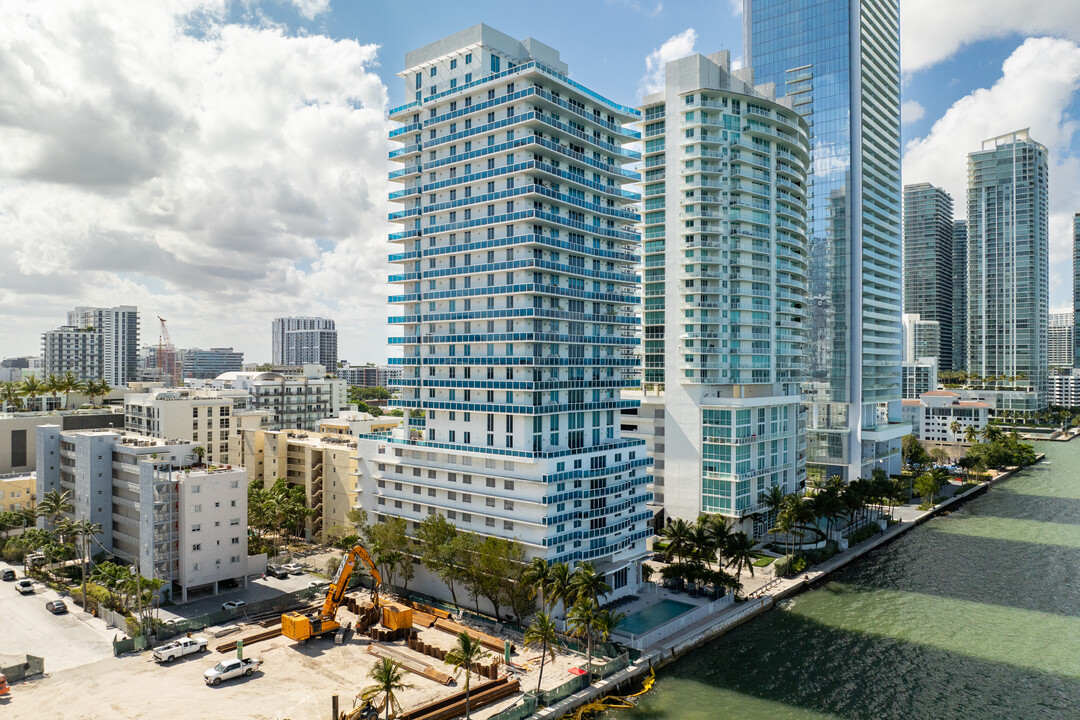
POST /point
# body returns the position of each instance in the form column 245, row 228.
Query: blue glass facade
column 838, row 60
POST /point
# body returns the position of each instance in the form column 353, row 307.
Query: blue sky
column 222, row 162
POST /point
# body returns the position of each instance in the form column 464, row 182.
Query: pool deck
column 685, row 639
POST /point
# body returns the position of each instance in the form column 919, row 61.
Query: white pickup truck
column 179, row 648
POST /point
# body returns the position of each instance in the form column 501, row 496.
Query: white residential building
column 179, row 523
column 304, row 341
column 96, row 343
column 933, row 413
column 516, row 259
column 1059, row 349
column 922, row 338
column 726, row 251
column 1064, row 389
column 291, row 401
column 920, row 376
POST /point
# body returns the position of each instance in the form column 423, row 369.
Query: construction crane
column 300, row 627
column 169, row 371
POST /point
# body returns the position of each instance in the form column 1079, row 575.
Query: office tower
column 839, row 62
column 726, row 251
column 928, row 262
column 199, row 363
column 516, row 259
column 1076, row 290
column 1060, row 339
column 959, row 290
column 305, row 341
column 95, row 344
column 1008, row 288
column 922, row 338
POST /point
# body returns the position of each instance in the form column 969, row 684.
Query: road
column 65, row 641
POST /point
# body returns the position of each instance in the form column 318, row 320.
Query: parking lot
column 257, row 589
column 65, row 641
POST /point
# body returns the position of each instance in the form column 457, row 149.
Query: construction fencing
column 522, row 710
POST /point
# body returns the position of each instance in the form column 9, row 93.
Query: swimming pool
column 653, row 616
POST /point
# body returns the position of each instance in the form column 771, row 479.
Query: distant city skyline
column 221, row 221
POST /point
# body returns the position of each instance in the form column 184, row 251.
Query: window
column 453, row 63
column 195, row 489
column 232, row 503
column 236, row 541
column 468, row 58
column 196, row 528
column 197, row 508
column 196, row 547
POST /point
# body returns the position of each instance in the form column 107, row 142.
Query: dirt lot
column 296, row 682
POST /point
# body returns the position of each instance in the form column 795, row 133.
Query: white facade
column 922, row 338
column 290, row 401
column 726, row 247
column 1060, row 341
column 516, row 262
column 1064, row 390
column 305, row 340
column 932, row 416
column 182, row 525
column 96, row 343
column 920, row 376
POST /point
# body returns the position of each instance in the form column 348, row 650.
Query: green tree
column 677, row 534
column 587, row 584
column 67, row 384
column 11, row 395
column 912, row 453
column 558, row 586
column 772, row 500
column 113, row 578
column 389, row 679
column 541, row 633
column 927, row 486
column 54, row 505
column 535, row 575
column 84, row 531
column 717, row 535
column 740, row 554
column 582, row 622
column 466, row 653
column 392, row 549
column 31, row 387
column 436, row 539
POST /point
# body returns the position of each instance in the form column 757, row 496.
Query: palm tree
column 535, row 575
column 55, row 505
column 582, row 620
column 586, row 583
column 11, row 395
column 607, row 621
column 740, row 554
column 111, row 577
column 718, row 533
column 773, row 499
column 84, row 530
column 200, row 453
column 541, row 633
column 53, row 385
column 677, row 535
column 954, row 428
column 96, row 388
column 466, row 653
column 702, row 548
column 970, row 434
column 67, row 384
column 558, row 585
column 785, row 523
column 388, row 676
column 31, row 387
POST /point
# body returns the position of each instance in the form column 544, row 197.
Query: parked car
column 232, row 604
column 318, row 584
column 9, row 574
column 230, row 583
column 26, row 587
column 294, row 568
column 228, row 669
column 277, row 571
column 56, row 607
column 179, row 648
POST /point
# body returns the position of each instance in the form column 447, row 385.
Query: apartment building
column 323, row 464
column 304, row 341
column 928, row 263
column 920, row 376
column 516, row 278
column 96, row 343
column 199, row 363
column 356, row 423
column 726, row 260
column 932, row 416
column 1064, row 388
column 1059, row 340
column 18, row 433
column 296, row 401
column 180, row 523
column 17, row 492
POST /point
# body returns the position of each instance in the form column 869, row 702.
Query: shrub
column 14, row 554
column 863, row 533
column 782, row 566
column 798, row 564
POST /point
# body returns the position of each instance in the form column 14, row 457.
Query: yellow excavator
column 300, row 627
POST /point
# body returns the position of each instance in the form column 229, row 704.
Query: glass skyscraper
column 928, row 262
column 1008, row 263
column 839, row 62
column 959, row 289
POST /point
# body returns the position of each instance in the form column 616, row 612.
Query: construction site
column 316, row 662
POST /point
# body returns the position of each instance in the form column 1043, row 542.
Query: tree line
column 13, row 393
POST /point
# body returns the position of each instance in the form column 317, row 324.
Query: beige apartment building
column 354, row 422
column 17, row 492
column 323, row 464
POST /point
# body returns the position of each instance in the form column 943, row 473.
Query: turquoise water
column 973, row 615
column 653, row 616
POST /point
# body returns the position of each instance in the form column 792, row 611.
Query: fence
column 681, row 622
column 127, row 645
column 577, row 684
column 521, row 711
column 612, row 666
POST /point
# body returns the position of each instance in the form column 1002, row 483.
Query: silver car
column 233, row 668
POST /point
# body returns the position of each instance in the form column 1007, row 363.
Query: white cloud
column 934, row 30
column 911, row 111
column 736, row 7
column 675, row 47
column 213, row 173
column 1038, row 82
column 310, row 8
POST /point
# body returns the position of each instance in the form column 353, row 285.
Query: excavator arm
column 337, row 588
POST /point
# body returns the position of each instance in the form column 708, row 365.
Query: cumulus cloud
column 215, row 173
column 911, row 111
column 675, row 47
column 310, row 8
column 934, row 30
column 1038, row 83
column 736, row 7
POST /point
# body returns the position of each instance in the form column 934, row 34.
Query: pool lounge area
column 653, row 616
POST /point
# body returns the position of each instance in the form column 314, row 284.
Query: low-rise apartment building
column 292, row 401
column 356, row 423
column 18, row 433
column 932, row 415
column 17, row 492
column 919, row 376
column 179, row 521
column 324, row 464
column 1064, row 389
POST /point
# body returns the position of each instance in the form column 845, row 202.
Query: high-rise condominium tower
column 1076, row 290
column 1008, row 256
column 96, row 344
column 959, row 290
column 1060, row 340
column 304, row 341
column 928, row 262
column 726, row 264
column 517, row 279
column 839, row 63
